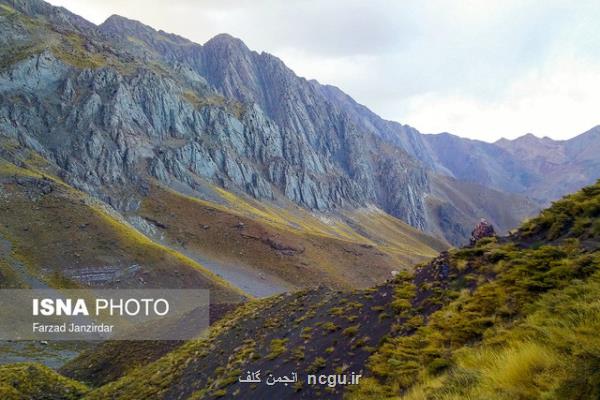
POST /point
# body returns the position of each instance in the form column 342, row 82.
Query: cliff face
column 117, row 104
column 331, row 159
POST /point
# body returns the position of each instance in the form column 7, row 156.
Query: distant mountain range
column 540, row 168
column 120, row 103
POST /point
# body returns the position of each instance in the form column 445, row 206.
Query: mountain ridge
column 291, row 138
column 134, row 158
column 183, row 113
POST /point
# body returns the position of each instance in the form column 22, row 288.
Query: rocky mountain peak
column 126, row 28
column 226, row 40
column 121, row 24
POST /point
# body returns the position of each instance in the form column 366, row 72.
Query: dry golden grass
column 67, row 229
column 291, row 244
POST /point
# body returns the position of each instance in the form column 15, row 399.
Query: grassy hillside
column 517, row 324
column 53, row 235
column 508, row 318
column 291, row 244
column 33, row 381
column 284, row 244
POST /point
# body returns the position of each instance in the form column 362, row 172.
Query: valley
column 333, row 242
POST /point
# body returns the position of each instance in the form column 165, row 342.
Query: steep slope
column 155, row 103
column 292, row 102
column 345, row 137
column 55, row 236
column 143, row 138
column 143, row 117
column 510, row 317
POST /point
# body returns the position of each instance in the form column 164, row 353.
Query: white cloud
column 482, row 69
column 558, row 101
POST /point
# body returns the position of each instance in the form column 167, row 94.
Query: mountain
column 141, row 120
column 51, row 231
column 179, row 179
column 560, row 166
column 118, row 104
column 508, row 317
column 135, row 158
column 541, row 168
column 237, row 72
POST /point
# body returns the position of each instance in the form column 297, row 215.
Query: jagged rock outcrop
column 135, row 104
column 482, row 230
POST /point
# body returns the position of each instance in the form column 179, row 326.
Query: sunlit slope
column 517, row 318
column 54, row 232
column 55, row 235
column 33, row 381
column 359, row 249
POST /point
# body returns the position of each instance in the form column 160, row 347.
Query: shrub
column 329, row 326
column 317, row 364
column 276, row 348
column 351, row 330
column 298, row 353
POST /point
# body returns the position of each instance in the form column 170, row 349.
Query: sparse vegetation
column 498, row 333
column 235, row 108
column 329, row 327
column 306, row 333
column 34, row 381
column 316, row 365
column 276, row 348
column 351, row 330
column 298, row 353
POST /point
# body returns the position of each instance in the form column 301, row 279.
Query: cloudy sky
column 480, row 69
